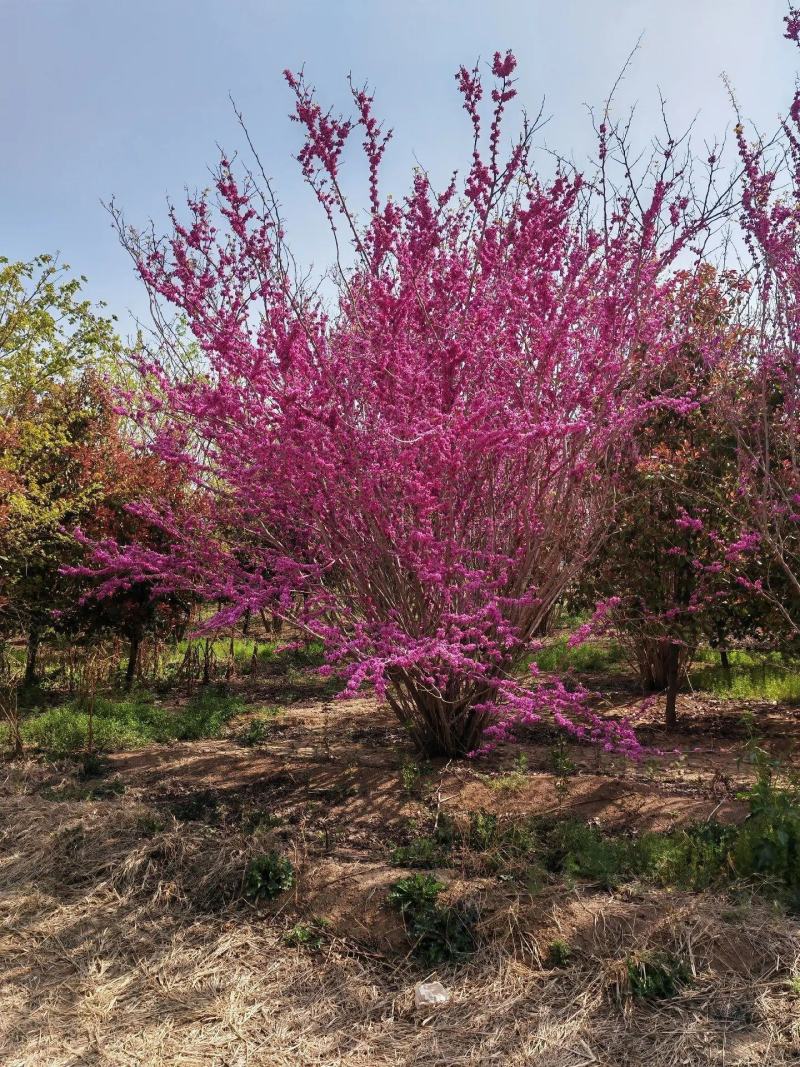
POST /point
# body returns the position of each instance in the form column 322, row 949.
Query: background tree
column 49, row 336
column 129, row 477
column 763, row 409
column 64, row 460
column 670, row 585
column 49, row 454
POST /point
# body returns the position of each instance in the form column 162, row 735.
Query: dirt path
column 351, row 767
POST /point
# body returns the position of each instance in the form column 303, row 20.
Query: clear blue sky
column 130, row 97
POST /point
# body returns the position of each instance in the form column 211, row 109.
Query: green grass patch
column 764, row 850
column 557, row 656
column 559, row 953
column 420, row 852
column 258, row 730
column 512, row 781
column 750, row 677
column 127, row 723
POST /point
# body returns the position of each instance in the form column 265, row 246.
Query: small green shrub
column 580, row 850
column 411, row 774
column 559, row 954
column 446, row 830
column 692, row 858
column 415, row 893
column 258, row 821
column 656, row 975
column 420, row 852
column 511, row 850
column 512, row 781
column 483, row 831
column 93, row 765
column 444, row 935
column 439, row 934
column 533, row 878
column 268, row 876
column 255, row 733
column 307, row 935
column 767, row 845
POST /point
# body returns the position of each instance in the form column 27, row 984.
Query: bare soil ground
column 124, row 938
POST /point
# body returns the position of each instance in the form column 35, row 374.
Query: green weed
column 310, row 935
column 257, row 731
column 259, row 822
column 410, row 774
column 439, row 934
column 763, row 851
column 268, row 876
column 204, row 716
column 559, row 954
column 514, row 780
column 563, row 767
column 656, row 975
column 420, row 852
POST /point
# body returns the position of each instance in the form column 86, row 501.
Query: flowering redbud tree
column 414, row 470
column 765, row 410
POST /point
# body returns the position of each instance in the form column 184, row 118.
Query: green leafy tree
column 55, row 416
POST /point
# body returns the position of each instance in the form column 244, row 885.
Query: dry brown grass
column 124, row 941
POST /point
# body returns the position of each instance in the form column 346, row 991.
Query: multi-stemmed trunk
column 446, row 723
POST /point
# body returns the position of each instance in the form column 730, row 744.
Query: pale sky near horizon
column 129, row 98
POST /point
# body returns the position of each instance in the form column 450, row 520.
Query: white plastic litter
column 427, row 993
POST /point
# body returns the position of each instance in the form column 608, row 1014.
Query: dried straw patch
column 122, row 945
